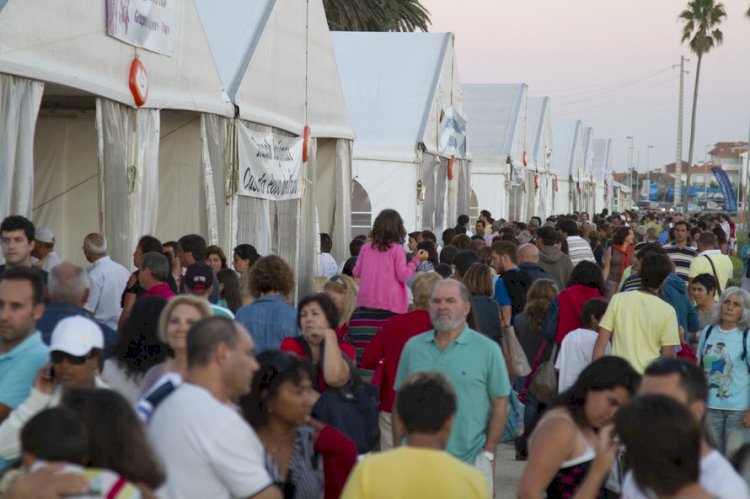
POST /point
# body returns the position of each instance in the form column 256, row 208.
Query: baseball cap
column 77, row 336
column 199, row 277
column 45, row 235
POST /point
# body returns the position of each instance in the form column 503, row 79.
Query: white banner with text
column 143, row 23
column 270, row 165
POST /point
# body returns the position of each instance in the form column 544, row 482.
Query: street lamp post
column 630, row 166
column 648, row 173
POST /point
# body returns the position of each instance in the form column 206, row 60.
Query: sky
column 612, row 64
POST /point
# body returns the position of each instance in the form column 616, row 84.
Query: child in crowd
column 578, row 345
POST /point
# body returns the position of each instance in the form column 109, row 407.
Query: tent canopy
column 66, row 43
column 275, row 58
column 395, row 84
column 494, row 112
column 602, row 158
column 568, row 140
column 539, row 128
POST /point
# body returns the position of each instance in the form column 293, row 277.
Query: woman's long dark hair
column 605, row 373
column 588, row 274
column 231, row 290
column 430, row 248
column 138, row 347
column 117, row 440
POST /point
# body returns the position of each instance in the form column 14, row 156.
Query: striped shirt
column 363, row 325
column 681, row 258
column 579, row 250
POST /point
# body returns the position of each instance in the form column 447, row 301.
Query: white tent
column 92, row 161
column 275, row 58
column 603, row 174
column 539, row 131
column 586, row 174
column 497, row 142
column 405, row 102
column 568, row 164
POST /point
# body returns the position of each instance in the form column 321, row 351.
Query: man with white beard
column 474, row 366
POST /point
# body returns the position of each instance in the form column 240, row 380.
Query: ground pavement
column 507, row 472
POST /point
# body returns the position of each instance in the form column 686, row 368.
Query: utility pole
column 678, row 161
column 648, row 173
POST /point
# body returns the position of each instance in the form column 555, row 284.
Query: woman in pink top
column 382, row 268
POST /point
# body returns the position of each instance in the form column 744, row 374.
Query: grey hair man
column 107, row 281
column 68, row 290
column 473, row 364
column 153, row 275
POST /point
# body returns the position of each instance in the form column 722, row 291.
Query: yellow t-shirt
column 723, row 264
column 409, row 472
column 641, row 324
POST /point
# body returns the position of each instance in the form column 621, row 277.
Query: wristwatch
column 488, row 455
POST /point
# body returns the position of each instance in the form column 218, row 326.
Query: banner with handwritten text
column 270, row 165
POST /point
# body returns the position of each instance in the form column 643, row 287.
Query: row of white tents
column 247, row 125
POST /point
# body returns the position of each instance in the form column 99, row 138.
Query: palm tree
column 702, row 18
column 376, row 15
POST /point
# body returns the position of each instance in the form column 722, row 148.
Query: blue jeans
column 729, row 432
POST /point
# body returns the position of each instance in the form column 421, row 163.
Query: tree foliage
column 376, row 15
column 701, row 30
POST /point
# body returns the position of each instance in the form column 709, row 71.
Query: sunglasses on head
column 57, row 357
column 337, row 279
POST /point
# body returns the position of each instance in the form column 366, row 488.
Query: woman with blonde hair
column 175, row 321
column 343, row 290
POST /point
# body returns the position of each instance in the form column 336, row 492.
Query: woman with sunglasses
column 342, row 290
column 304, row 457
column 76, row 355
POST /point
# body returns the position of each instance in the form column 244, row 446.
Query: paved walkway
column 507, row 472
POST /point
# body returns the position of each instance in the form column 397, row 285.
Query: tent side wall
column 66, row 179
column 399, row 195
column 489, row 186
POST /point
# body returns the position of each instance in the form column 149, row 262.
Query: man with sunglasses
column 75, row 360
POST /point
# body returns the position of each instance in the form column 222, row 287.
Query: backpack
column 353, row 409
column 517, row 282
column 744, row 346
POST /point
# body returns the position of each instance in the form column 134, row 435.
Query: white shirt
column 117, row 378
column 327, row 265
column 579, row 250
column 575, row 354
column 208, row 449
column 107, row 282
column 51, row 260
column 716, row 476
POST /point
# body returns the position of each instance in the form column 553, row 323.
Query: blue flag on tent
column 726, row 188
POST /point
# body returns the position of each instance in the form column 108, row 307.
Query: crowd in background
column 194, row 376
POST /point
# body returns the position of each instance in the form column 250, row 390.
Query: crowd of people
column 610, row 350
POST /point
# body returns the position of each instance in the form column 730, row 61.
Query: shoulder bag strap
column 713, row 269
column 705, row 341
column 534, row 367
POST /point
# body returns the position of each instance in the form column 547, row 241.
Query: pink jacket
column 382, row 278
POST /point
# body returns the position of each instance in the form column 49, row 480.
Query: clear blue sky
column 608, row 63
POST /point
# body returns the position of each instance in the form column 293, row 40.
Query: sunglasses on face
column 58, row 357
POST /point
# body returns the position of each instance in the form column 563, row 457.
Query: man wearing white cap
column 43, row 250
column 75, row 360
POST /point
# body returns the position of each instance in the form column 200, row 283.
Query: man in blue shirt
column 474, row 366
column 22, row 352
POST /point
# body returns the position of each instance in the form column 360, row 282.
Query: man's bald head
column 528, row 253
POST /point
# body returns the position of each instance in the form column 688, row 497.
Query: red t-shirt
column 388, row 344
column 293, row 346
